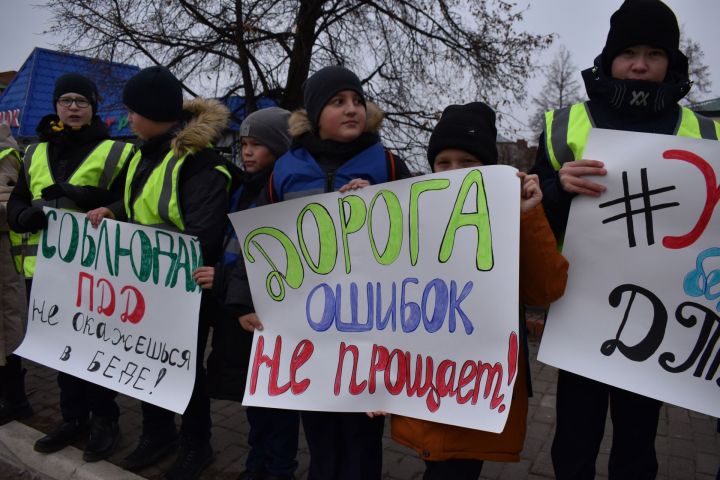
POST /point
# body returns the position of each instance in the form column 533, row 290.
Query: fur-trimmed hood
column 208, row 119
column 300, row 123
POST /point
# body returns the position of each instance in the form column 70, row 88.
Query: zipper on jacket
column 329, row 181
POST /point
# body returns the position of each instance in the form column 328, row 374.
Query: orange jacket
column 543, row 275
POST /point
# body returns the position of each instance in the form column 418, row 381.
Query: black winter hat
column 324, row 84
column 641, row 22
column 154, row 93
column 76, row 83
column 470, row 128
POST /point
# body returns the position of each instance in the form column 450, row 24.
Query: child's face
column 454, row 159
column 145, row 128
column 343, row 117
column 73, row 114
column 255, row 155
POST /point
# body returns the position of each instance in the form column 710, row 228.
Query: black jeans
column 273, row 440
column 345, row 446
column 582, row 406
column 79, row 398
column 196, row 421
column 12, row 380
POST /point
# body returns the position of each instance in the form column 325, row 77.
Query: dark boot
column 14, row 410
column 65, row 434
column 193, row 458
column 13, row 403
column 150, row 449
column 104, row 436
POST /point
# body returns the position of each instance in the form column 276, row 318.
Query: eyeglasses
column 68, row 101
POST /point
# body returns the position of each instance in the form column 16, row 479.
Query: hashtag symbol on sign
column 646, row 210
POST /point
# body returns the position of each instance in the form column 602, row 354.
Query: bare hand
column 204, row 276
column 530, row 192
column 354, row 184
column 376, row 413
column 572, row 173
column 250, row 322
column 96, row 216
column 535, row 325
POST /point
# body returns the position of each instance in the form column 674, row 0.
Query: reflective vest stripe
column 232, row 250
column 692, row 125
column 558, row 125
column 112, row 163
column 98, row 169
column 23, row 252
column 29, row 153
column 166, row 194
column 566, row 131
column 28, row 250
column 163, row 226
column 156, row 203
column 10, row 151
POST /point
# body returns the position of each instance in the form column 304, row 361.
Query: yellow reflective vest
column 158, row 201
column 98, row 169
column 567, row 129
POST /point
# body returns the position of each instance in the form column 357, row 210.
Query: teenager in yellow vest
column 634, row 85
column 176, row 181
column 75, row 166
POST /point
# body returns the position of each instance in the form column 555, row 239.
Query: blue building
column 28, row 97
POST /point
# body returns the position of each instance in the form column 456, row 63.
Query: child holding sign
column 177, row 182
column 335, row 147
column 465, row 137
column 273, row 436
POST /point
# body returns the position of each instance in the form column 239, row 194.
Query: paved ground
column 688, row 444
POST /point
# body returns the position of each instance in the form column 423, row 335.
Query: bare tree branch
column 416, row 56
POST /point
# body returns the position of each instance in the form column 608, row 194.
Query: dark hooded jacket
column 227, row 364
column 610, row 104
column 203, row 189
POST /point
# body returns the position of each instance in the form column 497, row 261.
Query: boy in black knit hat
column 175, row 157
column 465, row 137
column 634, row 86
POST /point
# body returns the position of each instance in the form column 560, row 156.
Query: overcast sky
column 580, row 25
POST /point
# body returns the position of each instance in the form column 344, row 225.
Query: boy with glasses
column 77, row 167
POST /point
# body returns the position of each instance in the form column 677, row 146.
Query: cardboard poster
column 401, row 297
column 640, row 311
column 116, row 306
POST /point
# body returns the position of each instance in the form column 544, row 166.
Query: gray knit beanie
column 269, row 126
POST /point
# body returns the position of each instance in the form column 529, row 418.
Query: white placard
column 400, row 297
column 640, row 310
column 116, row 306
